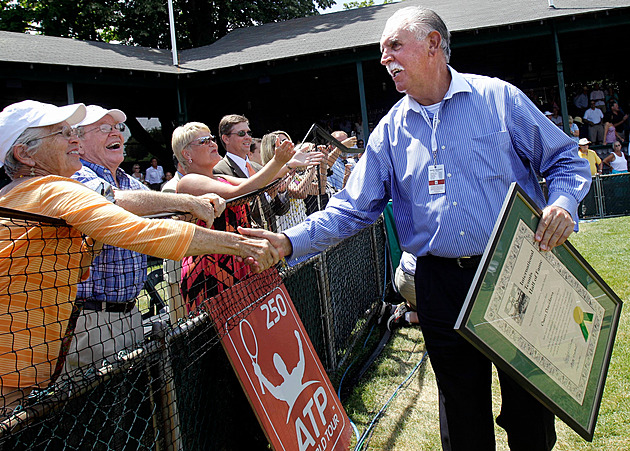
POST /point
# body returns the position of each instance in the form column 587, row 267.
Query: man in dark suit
column 236, row 138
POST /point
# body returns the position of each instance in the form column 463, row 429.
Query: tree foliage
column 363, row 4
column 145, row 22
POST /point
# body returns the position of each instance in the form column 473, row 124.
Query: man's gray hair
column 421, row 22
column 30, row 138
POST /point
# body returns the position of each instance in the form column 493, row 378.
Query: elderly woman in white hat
column 40, row 263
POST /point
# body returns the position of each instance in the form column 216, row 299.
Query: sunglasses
column 66, row 132
column 242, row 133
column 203, row 140
column 107, row 128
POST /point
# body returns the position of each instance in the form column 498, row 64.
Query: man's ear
column 21, row 155
column 434, row 40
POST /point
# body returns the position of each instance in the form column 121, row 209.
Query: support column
column 561, row 89
column 70, row 92
column 182, row 107
column 364, row 116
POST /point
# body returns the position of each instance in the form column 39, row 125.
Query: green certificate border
column 473, row 325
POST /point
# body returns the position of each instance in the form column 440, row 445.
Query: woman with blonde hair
column 298, row 185
column 197, row 151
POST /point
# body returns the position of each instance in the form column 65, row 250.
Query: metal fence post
column 326, row 309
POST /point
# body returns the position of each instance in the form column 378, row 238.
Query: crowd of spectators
column 95, row 312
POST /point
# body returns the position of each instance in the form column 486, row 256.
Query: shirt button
column 448, row 175
column 443, row 147
column 461, row 233
column 455, row 203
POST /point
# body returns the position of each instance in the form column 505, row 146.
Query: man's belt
column 468, row 262
column 110, row 307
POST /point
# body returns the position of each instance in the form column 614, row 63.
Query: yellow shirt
column 593, row 159
column 41, row 264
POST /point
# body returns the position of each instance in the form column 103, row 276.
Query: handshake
column 261, row 249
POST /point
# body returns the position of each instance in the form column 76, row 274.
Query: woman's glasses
column 66, row 132
column 203, row 140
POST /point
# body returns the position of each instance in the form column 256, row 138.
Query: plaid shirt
column 116, row 275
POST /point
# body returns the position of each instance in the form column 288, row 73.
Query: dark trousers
column 464, row 375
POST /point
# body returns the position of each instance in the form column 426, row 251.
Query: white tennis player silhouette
column 292, row 386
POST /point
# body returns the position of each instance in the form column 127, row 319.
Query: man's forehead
column 107, row 119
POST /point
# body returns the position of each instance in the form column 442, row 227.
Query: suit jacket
column 279, row 206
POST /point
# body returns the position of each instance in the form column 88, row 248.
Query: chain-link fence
column 609, row 196
column 173, row 387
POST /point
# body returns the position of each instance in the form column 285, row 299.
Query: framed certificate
column 545, row 318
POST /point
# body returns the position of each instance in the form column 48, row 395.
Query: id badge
column 436, row 179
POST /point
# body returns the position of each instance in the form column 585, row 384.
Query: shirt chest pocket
column 491, row 156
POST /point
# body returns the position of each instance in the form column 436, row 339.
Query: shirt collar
column 102, row 171
column 458, row 84
column 241, row 162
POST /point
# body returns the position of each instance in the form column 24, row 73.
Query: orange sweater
column 40, row 266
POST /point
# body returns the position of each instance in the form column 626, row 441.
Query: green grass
column 411, row 420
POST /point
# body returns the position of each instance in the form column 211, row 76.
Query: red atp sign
column 279, row 370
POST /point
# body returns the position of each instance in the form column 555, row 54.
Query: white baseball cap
column 17, row 117
column 95, row 113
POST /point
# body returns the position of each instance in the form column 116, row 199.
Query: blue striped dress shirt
column 489, row 134
column 116, row 274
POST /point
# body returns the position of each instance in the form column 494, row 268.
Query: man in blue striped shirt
column 446, row 155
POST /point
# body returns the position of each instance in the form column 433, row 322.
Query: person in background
column 254, row 151
column 593, row 117
column 598, row 96
column 136, row 174
column 404, row 314
column 617, row 161
column 556, row 118
column 591, row 156
column 619, row 119
column 610, row 132
column 300, row 184
column 574, row 130
column 154, row 175
column 611, row 97
column 236, row 137
column 581, row 100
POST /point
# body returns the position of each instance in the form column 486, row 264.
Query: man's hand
column 284, row 150
column 278, row 240
column 259, row 254
column 554, row 227
column 304, row 158
column 206, row 207
column 350, row 142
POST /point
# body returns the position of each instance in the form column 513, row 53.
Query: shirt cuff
column 566, row 202
column 300, row 242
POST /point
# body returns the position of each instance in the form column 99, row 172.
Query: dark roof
column 39, row 49
column 305, row 36
column 363, row 27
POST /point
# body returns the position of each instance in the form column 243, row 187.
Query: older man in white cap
column 110, row 321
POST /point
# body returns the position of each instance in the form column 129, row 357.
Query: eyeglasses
column 617, row 145
column 66, row 132
column 203, row 140
column 107, row 128
column 241, row 133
